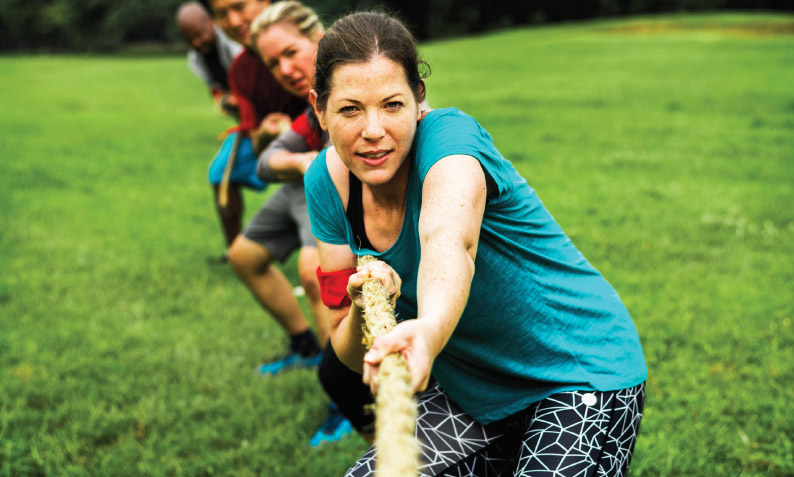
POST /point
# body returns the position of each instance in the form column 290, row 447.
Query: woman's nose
column 373, row 129
column 286, row 67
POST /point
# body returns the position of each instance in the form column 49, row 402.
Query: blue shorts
column 244, row 170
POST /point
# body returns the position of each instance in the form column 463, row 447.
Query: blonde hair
column 302, row 17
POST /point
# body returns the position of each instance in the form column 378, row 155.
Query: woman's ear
column 421, row 106
column 317, row 112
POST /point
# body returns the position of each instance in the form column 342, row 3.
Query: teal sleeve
column 449, row 131
column 327, row 216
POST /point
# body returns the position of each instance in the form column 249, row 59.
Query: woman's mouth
column 374, row 158
column 298, row 85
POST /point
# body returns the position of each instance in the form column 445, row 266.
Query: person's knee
column 307, row 271
column 310, row 284
column 248, row 258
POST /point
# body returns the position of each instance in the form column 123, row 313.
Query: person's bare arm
column 270, row 127
column 287, row 165
column 453, row 203
column 346, row 334
column 286, row 158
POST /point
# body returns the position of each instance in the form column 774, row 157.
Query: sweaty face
column 371, row 116
column 290, row 57
column 235, row 16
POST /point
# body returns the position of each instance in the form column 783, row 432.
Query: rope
column 395, row 418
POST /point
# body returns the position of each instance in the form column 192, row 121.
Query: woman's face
column 289, row 55
column 371, row 116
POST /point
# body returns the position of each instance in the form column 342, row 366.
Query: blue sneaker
column 335, row 427
column 290, row 361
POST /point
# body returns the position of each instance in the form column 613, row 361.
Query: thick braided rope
column 395, row 418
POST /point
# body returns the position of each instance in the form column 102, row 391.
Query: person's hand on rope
column 380, row 270
column 409, row 338
column 274, row 123
column 271, row 126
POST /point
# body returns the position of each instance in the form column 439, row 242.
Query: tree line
column 106, row 25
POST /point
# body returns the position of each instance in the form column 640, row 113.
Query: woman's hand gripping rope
column 386, row 368
column 407, row 338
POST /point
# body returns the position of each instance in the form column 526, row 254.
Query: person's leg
column 452, row 443
column 253, row 264
column 623, row 430
column 308, row 261
column 581, row 433
column 231, row 217
column 269, row 236
column 348, row 392
column 243, row 174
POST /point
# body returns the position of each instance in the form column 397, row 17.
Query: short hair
column 190, row 10
column 302, row 17
column 361, row 37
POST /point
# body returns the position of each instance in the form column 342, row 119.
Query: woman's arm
column 287, row 165
column 346, row 334
column 271, row 126
column 453, row 203
column 286, row 158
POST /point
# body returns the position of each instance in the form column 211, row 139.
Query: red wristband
column 333, row 287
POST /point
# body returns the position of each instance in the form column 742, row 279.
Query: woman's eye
column 394, row 105
column 347, row 109
column 290, row 53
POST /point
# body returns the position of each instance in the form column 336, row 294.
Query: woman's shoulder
column 444, row 131
column 336, row 168
column 446, row 126
column 328, row 166
column 436, row 117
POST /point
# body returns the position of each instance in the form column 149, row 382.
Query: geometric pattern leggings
column 577, row 433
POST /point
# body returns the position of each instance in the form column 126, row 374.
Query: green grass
column 663, row 145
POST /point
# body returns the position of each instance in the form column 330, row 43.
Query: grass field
column 664, row 146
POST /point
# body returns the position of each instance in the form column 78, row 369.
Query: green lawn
column 664, row 146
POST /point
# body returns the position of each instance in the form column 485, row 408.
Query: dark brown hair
column 361, row 37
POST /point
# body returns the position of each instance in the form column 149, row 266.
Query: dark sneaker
column 292, row 360
column 335, row 427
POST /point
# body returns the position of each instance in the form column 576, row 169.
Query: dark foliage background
column 106, row 25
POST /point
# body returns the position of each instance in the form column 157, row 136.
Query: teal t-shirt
column 539, row 320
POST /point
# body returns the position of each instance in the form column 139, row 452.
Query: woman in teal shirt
column 524, row 345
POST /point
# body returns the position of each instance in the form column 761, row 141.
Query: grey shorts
column 282, row 224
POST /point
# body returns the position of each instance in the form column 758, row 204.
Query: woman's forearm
column 443, row 284
column 347, row 336
column 453, row 204
column 290, row 165
column 260, row 138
